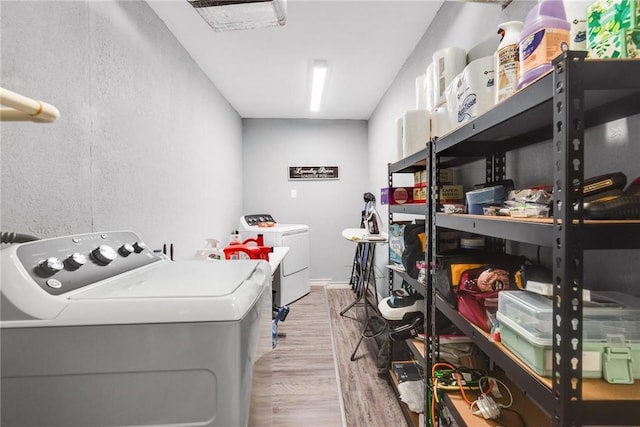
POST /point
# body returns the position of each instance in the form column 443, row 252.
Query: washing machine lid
column 164, row 292
column 183, row 279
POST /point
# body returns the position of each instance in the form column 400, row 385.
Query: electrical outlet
column 294, row 193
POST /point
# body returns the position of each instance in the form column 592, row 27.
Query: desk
column 362, row 277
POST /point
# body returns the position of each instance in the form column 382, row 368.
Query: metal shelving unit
column 416, row 162
column 576, row 95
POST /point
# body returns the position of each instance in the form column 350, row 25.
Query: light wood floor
column 314, row 382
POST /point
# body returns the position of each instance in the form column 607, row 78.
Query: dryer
column 98, row 330
column 292, row 282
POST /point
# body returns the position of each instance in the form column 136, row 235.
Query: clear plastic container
column 618, row 314
column 609, row 329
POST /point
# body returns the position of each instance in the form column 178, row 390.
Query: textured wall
column 328, row 207
column 144, row 141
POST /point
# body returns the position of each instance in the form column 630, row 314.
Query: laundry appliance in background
column 97, row 330
column 292, row 282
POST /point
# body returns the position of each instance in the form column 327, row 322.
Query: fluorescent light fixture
column 317, row 85
column 225, row 15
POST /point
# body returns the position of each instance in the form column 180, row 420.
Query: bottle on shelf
column 507, row 66
column 545, row 36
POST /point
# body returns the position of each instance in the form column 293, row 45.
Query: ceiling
column 266, row 73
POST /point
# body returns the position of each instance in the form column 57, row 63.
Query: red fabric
column 473, row 306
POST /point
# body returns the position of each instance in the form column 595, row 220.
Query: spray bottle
column 507, row 60
column 545, row 36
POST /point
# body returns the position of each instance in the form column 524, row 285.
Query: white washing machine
column 293, row 281
column 97, row 330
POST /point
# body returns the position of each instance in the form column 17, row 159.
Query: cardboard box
column 451, row 194
column 609, row 48
column 396, row 195
column 631, row 46
column 446, row 176
column 420, row 178
column 624, row 44
column 607, row 22
column 419, row 194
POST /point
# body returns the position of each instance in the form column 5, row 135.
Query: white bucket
column 416, row 131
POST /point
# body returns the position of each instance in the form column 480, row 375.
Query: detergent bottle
column 507, row 68
column 545, row 36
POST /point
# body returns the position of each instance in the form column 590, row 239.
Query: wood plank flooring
column 305, row 388
column 311, row 387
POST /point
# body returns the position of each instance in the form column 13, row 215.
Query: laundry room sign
column 313, row 172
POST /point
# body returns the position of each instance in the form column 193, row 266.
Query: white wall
column 473, row 26
column 327, row 206
column 144, row 142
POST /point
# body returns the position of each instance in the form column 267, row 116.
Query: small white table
column 362, row 276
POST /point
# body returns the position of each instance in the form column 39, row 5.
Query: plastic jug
column 545, row 36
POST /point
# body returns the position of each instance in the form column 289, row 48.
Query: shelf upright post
column 568, row 178
column 389, row 222
column 495, row 171
column 496, row 165
column 430, row 327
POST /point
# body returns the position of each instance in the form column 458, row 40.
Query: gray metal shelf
column 599, row 234
column 611, row 91
column 412, row 208
column 416, row 161
column 577, row 94
column 539, row 391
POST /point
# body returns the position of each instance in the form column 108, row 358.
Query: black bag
column 452, row 265
column 415, row 244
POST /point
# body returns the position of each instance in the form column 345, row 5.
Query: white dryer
column 97, row 330
column 292, row 283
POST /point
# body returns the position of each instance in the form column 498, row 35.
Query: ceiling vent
column 241, row 14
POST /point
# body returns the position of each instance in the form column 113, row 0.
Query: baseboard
column 339, row 285
column 319, row 282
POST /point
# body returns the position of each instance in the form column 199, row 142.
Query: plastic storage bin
column 611, row 332
column 484, row 197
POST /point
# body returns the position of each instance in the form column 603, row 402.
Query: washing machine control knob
column 104, row 254
column 51, row 265
column 139, row 247
column 76, row 260
column 126, row 249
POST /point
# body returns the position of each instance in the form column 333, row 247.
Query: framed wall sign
column 313, row 172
